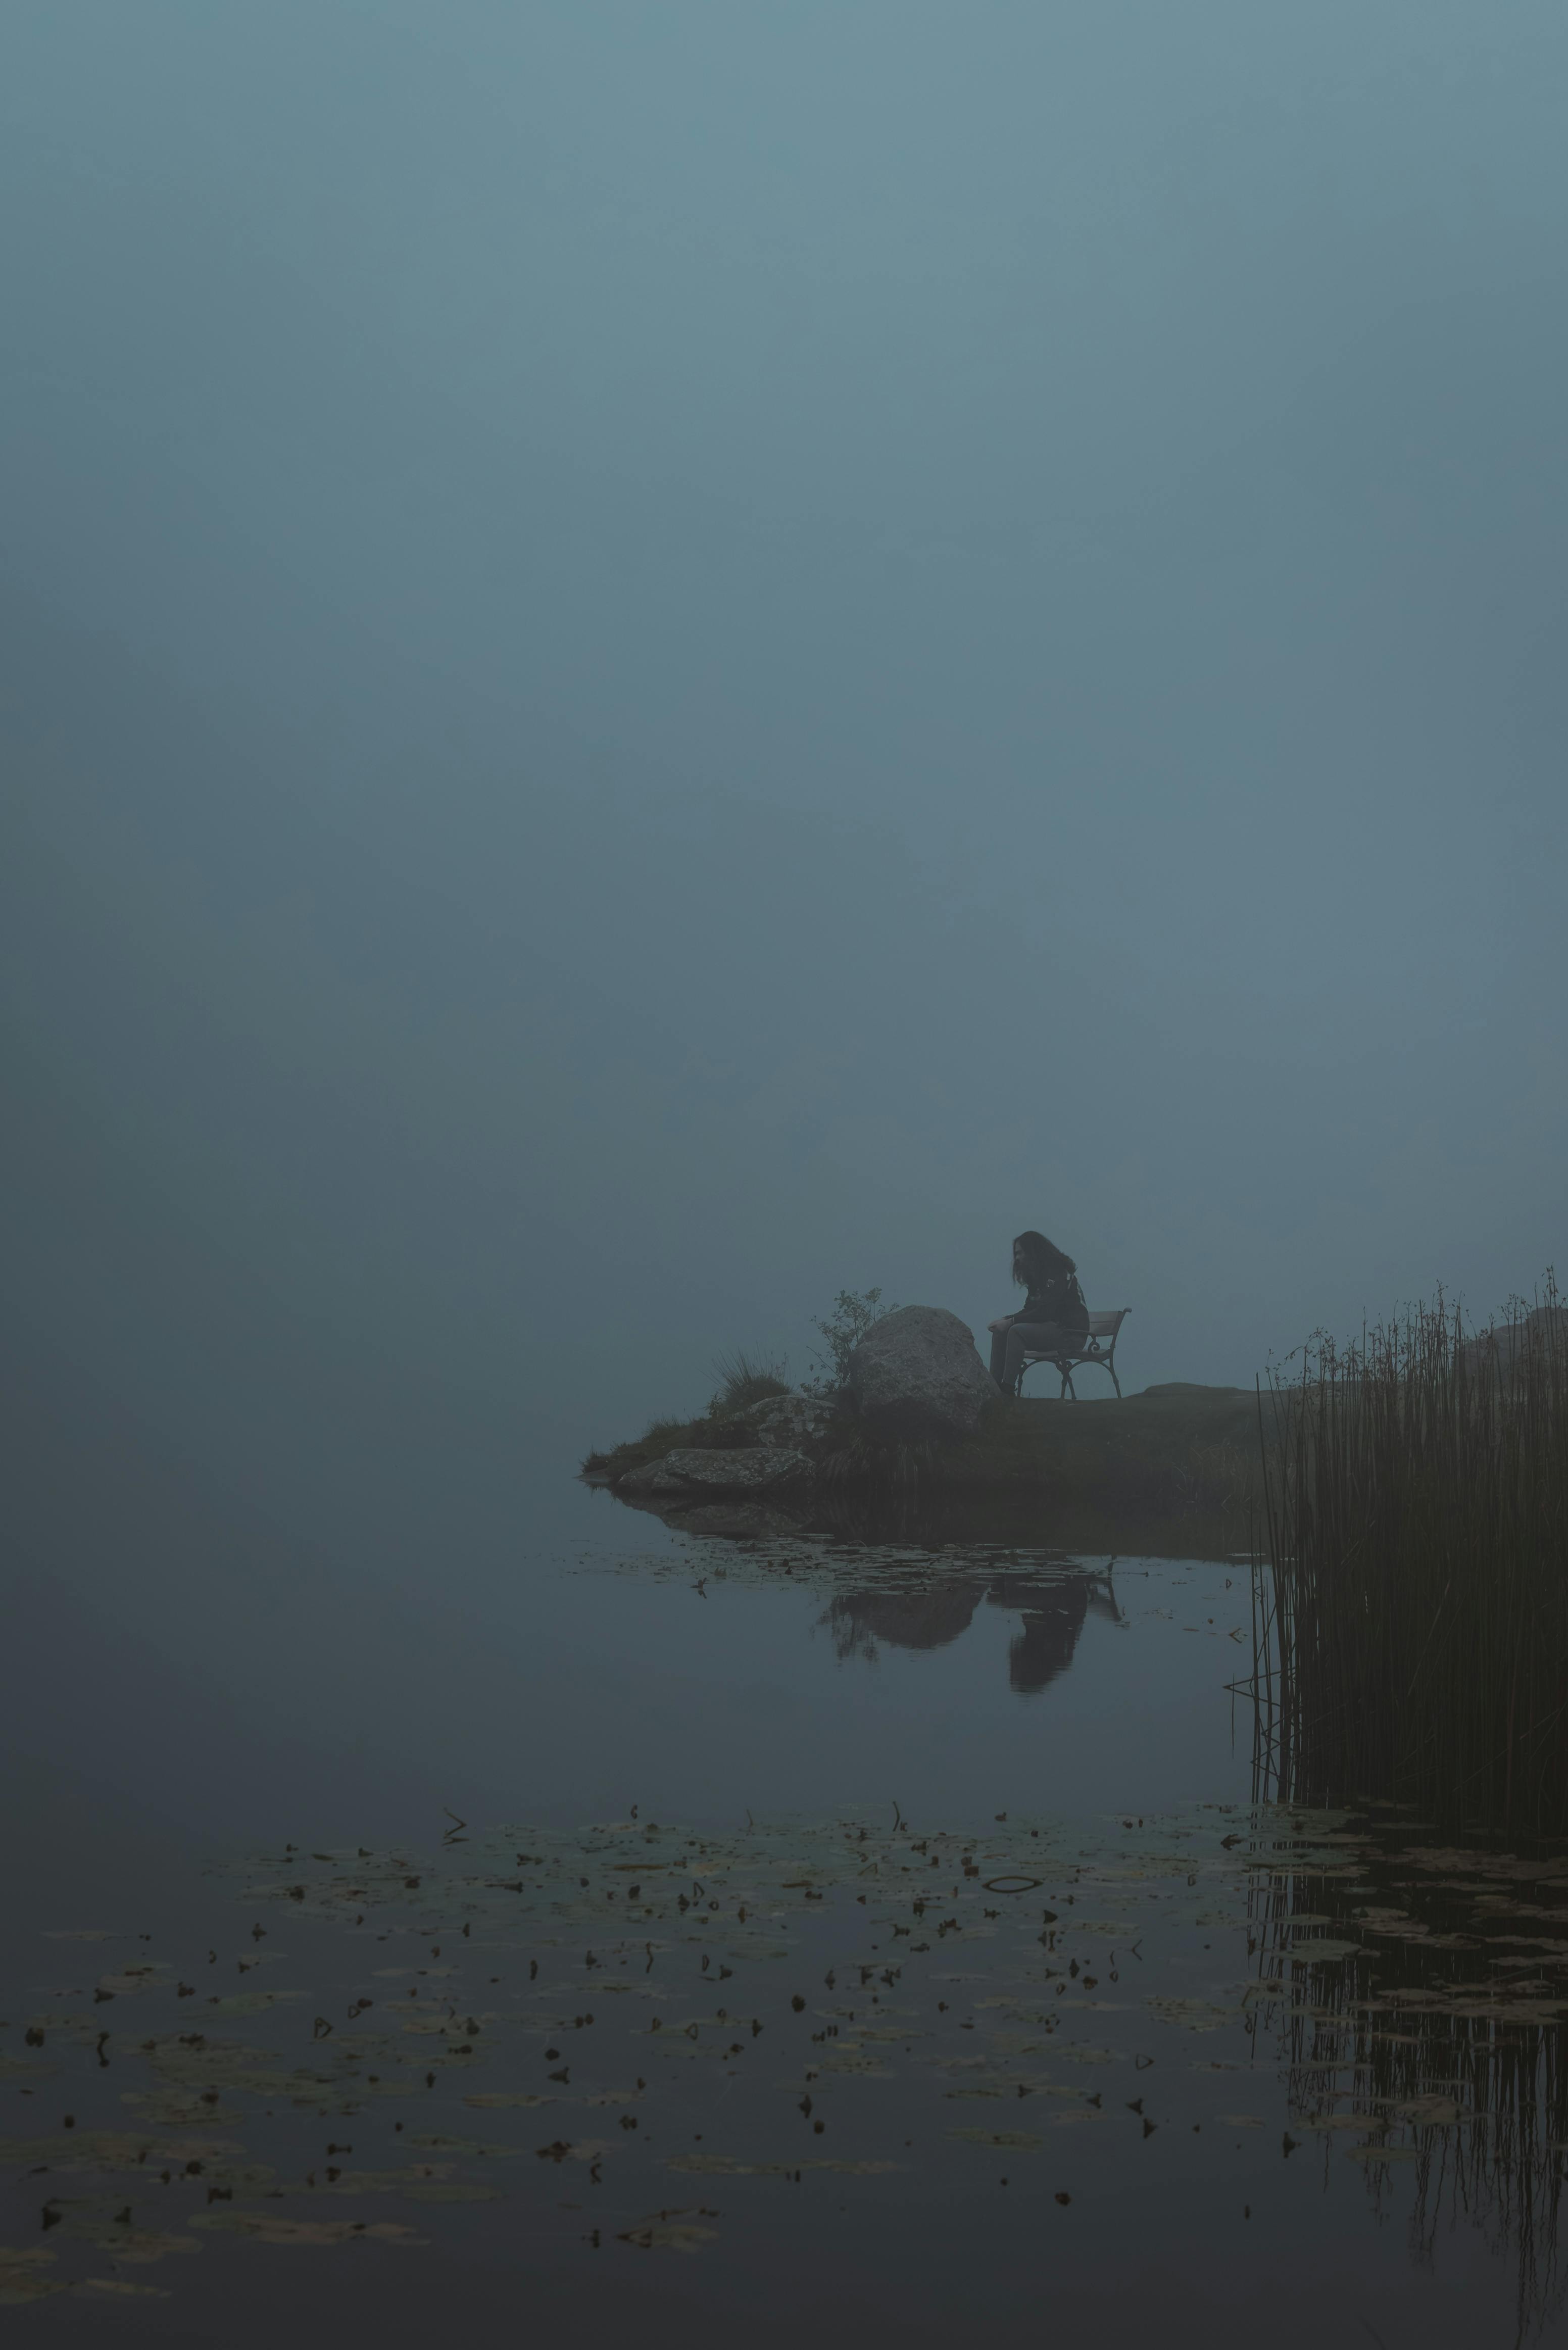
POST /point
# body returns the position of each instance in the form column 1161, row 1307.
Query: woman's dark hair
column 1037, row 1259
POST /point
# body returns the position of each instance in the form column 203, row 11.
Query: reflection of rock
column 1053, row 1610
column 905, row 1620
column 691, row 1513
column 744, row 1520
column 916, row 1375
column 750, row 1471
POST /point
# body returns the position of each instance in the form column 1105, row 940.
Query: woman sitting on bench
column 1054, row 1317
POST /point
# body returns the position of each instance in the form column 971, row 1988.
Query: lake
column 578, row 1930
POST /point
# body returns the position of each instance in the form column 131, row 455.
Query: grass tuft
column 743, row 1381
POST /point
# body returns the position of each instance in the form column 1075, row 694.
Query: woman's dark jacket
column 1057, row 1299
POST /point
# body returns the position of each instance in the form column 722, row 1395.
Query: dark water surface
column 595, row 1935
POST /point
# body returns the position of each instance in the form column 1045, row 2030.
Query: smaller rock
column 796, row 1421
column 753, row 1469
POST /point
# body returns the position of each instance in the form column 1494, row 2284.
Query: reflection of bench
column 1098, row 1345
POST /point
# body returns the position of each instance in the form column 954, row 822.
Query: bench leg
column 1115, row 1381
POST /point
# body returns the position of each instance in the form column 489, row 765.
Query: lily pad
column 25, row 2276
column 669, row 2231
column 1009, row 2141
column 455, row 2190
column 1191, row 2014
column 272, row 2227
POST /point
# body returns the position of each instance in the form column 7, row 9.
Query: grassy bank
column 1170, row 1449
column 1419, row 1525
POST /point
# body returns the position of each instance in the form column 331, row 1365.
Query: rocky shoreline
column 945, row 1439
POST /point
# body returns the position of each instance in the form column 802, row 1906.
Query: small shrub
column 854, row 1313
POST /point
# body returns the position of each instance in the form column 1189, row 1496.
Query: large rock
column 752, row 1470
column 916, row 1375
column 1510, row 1347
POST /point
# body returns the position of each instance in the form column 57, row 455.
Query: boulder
column 1511, row 1346
column 916, row 1375
column 752, row 1470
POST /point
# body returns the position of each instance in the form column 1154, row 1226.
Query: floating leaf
column 118, row 2289
column 1191, row 2014
column 105, row 2222
column 24, row 2276
column 1009, row 2141
column 669, row 2231
column 456, row 2190
column 587, row 2150
column 271, row 2228
column 251, row 2002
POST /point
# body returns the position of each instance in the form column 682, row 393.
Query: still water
column 625, row 1934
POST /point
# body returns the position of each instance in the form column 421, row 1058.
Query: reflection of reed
column 1410, row 1636
column 1417, row 2044
column 1414, row 1637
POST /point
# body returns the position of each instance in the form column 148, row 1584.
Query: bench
column 1098, row 1345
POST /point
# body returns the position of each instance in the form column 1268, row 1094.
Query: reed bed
column 1414, row 1632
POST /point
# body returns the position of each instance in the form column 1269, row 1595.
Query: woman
column 1054, row 1317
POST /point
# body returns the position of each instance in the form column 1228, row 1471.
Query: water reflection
column 1416, row 1994
column 947, row 1522
column 1053, row 1606
column 591, row 2039
column 1232, row 2034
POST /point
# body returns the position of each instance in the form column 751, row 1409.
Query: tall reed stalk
column 1416, row 1635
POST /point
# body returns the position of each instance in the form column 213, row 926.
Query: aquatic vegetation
column 1433, row 2049
column 1415, row 1641
column 25, row 2273
column 671, row 2231
column 815, row 2002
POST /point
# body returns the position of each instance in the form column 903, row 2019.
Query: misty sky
column 661, row 658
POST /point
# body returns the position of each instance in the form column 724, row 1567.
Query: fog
column 662, row 659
